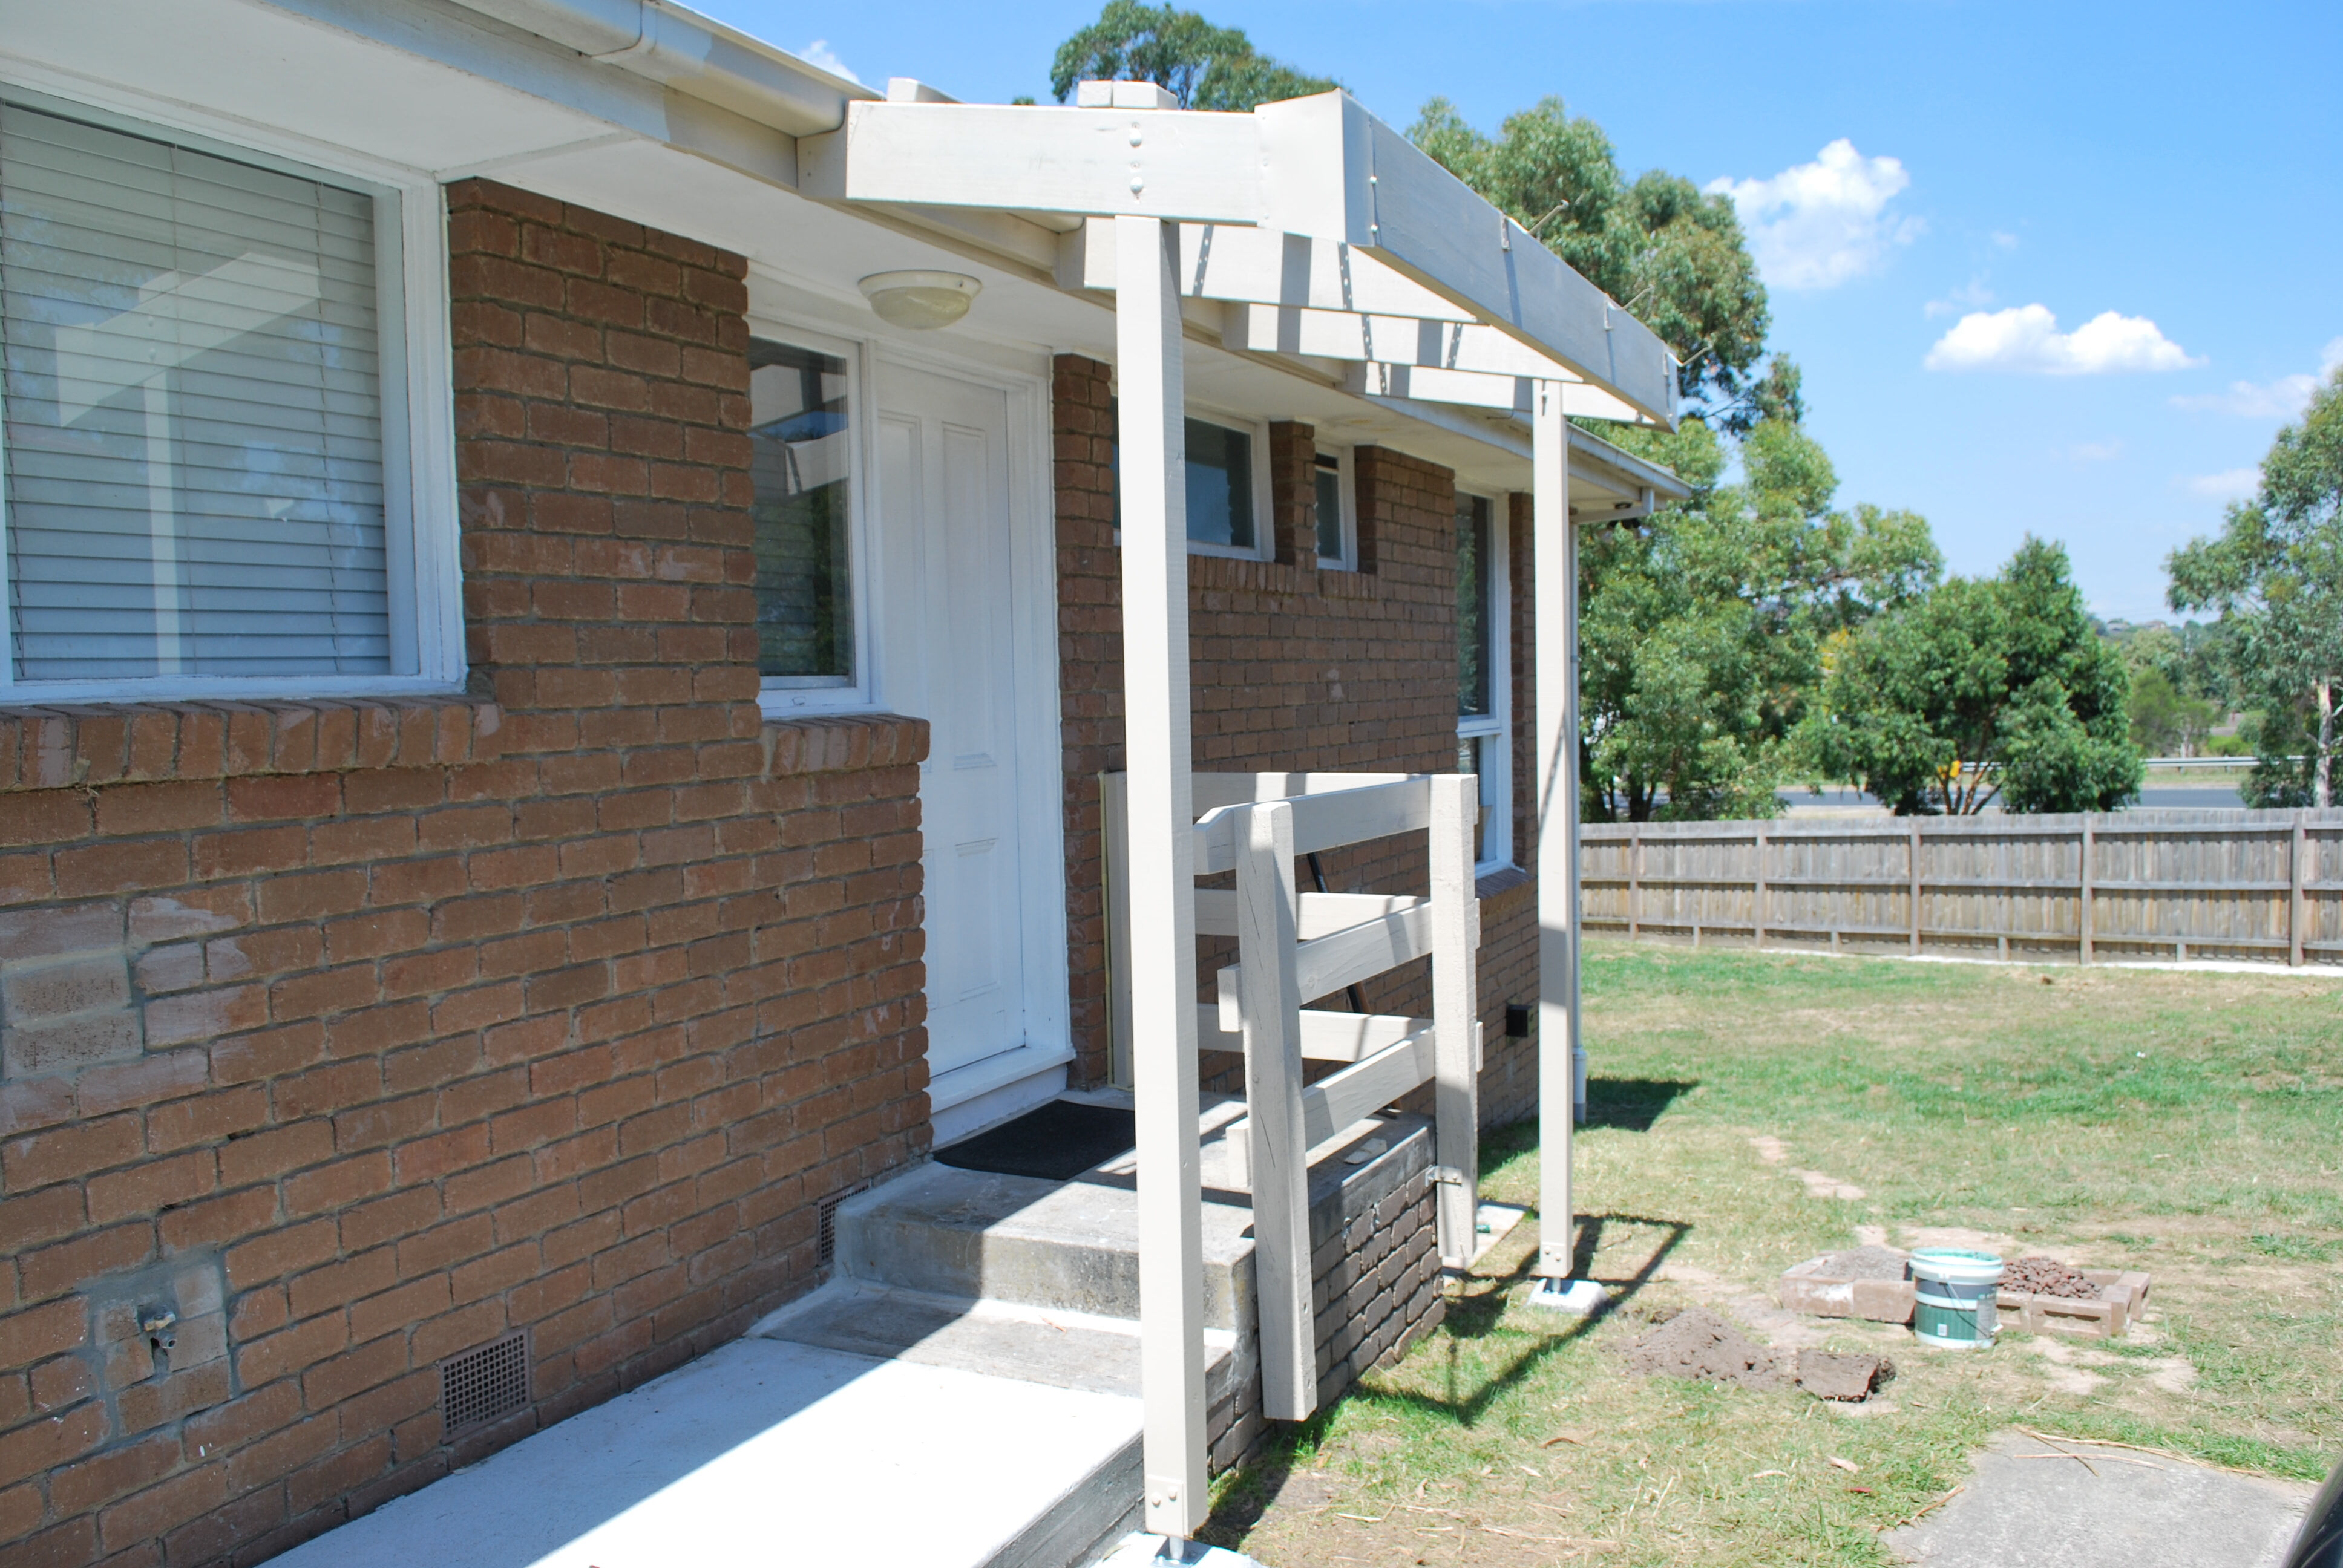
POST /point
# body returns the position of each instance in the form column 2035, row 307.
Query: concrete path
column 761, row 1454
column 2031, row 1505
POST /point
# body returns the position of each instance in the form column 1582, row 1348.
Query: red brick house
column 543, row 740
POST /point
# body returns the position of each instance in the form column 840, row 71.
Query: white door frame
column 971, row 1098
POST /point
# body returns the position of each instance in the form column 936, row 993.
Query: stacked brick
column 341, row 1038
column 1295, row 669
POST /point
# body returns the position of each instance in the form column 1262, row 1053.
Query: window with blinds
column 195, row 422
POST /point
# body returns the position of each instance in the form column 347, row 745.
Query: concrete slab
column 766, row 1453
column 2034, row 1503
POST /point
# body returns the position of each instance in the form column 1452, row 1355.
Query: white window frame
column 1264, row 527
column 1347, row 482
column 795, row 695
column 1497, row 724
column 421, row 532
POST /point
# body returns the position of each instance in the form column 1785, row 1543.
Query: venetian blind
column 193, row 433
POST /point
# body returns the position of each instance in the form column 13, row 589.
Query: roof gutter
column 691, row 55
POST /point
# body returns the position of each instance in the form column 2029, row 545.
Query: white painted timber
column 1277, row 1153
column 1455, row 943
column 1340, row 1099
column 1140, row 163
column 1322, row 913
column 1161, row 846
column 1327, row 964
column 1480, row 389
column 1333, row 171
column 1325, row 1036
column 1324, row 821
column 1554, row 564
column 761, row 1452
column 1217, row 789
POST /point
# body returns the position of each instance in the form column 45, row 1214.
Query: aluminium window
column 209, row 455
column 1227, row 486
column 1484, row 741
column 801, row 460
column 1337, row 508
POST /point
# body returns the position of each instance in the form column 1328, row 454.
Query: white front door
column 952, row 658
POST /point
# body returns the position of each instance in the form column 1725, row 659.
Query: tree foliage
column 1981, row 688
column 1702, row 628
column 2275, row 572
column 1201, row 65
column 1673, row 256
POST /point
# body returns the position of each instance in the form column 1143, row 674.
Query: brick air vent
column 825, row 1243
column 482, row 1385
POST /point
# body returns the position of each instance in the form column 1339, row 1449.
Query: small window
column 1226, row 486
column 1219, row 486
column 801, row 458
column 1485, row 740
column 208, row 479
column 1338, row 525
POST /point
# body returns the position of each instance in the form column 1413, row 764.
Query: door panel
column 950, row 659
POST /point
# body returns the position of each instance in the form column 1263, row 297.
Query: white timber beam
column 1160, row 849
column 1319, row 167
column 1555, row 565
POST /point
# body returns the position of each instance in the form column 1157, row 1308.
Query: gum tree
column 2275, row 573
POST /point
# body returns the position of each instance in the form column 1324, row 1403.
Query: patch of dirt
column 1699, row 1345
column 1703, row 1347
column 1821, row 1185
column 1770, row 1150
column 2062, row 1371
column 1959, row 1236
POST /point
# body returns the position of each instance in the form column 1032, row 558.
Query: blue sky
column 2070, row 271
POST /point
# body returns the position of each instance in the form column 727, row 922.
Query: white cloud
column 2280, row 399
column 2233, row 485
column 819, row 55
column 2097, row 451
column 2026, row 338
column 1816, row 225
column 2005, row 239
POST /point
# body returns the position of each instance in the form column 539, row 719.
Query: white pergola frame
column 1320, row 232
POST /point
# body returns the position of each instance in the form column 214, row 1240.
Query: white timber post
column 1455, row 1016
column 1160, row 844
column 1268, row 928
column 1554, row 563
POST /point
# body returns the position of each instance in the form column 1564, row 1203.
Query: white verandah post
column 1163, row 857
column 1554, row 563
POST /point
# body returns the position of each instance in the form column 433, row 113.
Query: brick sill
column 843, row 743
column 1500, row 890
column 78, row 747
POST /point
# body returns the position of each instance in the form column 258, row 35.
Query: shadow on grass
column 1632, row 1104
column 1475, row 1314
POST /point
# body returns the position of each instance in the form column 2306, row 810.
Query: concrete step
column 998, row 1339
column 1069, row 1246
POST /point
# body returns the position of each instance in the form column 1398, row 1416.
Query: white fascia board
column 1175, row 163
column 1589, row 450
column 695, row 55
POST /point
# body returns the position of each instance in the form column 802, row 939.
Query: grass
column 2181, row 1123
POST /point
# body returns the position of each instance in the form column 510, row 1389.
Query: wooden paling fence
column 2265, row 886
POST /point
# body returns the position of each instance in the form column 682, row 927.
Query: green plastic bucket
column 1955, row 1294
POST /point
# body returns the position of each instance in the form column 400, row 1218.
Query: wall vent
column 484, row 1385
column 825, row 1240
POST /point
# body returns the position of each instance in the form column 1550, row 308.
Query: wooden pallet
column 2122, row 1295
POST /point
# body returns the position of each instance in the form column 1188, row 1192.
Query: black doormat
column 1057, row 1142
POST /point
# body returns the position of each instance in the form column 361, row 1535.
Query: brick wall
column 1294, row 668
column 358, row 1034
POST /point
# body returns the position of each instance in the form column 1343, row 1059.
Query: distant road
column 1845, row 801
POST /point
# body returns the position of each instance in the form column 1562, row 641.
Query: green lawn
column 2188, row 1124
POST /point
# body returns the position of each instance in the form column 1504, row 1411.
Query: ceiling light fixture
column 921, row 300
